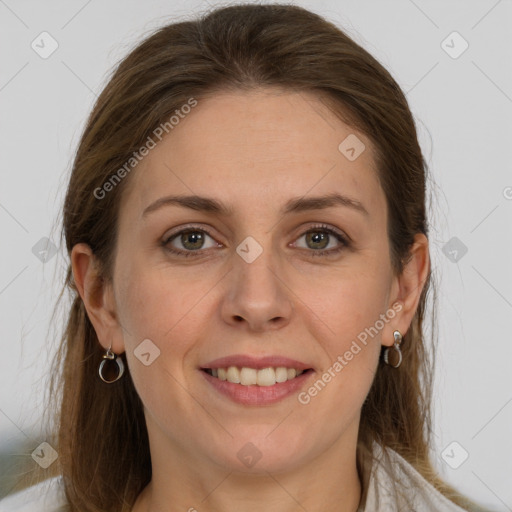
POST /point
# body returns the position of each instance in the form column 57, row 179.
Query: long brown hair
column 102, row 438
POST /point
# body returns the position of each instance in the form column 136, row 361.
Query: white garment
column 416, row 494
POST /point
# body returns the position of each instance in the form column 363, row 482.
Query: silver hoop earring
column 397, row 357
column 110, row 357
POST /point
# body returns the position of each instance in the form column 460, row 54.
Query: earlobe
column 411, row 283
column 97, row 297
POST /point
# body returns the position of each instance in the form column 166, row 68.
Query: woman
column 249, row 269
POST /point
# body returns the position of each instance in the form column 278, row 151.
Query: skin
column 254, row 151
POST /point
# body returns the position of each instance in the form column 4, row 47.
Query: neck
column 183, row 481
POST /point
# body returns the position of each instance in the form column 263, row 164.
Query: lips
column 258, row 363
column 257, row 395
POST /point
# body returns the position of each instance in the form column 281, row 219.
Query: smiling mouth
column 253, row 377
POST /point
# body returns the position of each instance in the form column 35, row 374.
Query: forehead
column 255, row 148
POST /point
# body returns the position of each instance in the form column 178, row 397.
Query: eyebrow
column 294, row 205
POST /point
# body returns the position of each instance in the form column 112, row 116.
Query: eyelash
column 314, row 229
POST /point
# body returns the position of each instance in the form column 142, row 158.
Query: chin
column 262, row 450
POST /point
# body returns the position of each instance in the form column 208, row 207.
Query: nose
column 257, row 295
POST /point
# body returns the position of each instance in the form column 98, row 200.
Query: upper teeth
column 251, row 376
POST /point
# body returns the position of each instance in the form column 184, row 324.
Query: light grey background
column 463, row 108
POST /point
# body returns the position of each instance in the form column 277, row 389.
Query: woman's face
column 253, row 282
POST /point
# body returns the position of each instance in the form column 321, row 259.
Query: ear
column 407, row 288
column 97, row 296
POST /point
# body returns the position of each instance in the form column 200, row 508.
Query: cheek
column 351, row 303
column 155, row 305
column 150, row 308
column 352, row 351
column 353, row 309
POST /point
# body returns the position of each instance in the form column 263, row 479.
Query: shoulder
column 412, row 492
column 47, row 496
